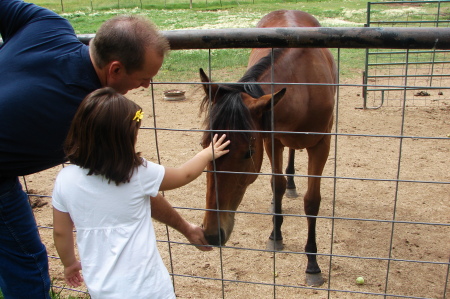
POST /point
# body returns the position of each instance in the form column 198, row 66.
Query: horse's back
column 288, row 18
column 311, row 106
column 296, row 65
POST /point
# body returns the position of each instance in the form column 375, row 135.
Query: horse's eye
column 249, row 153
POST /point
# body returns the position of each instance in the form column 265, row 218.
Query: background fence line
column 426, row 65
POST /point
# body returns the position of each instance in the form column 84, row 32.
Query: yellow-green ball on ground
column 360, row 280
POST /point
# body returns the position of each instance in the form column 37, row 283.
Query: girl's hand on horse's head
column 219, row 146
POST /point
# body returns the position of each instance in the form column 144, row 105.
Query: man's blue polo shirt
column 45, row 72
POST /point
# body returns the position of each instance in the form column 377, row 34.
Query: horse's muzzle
column 216, row 239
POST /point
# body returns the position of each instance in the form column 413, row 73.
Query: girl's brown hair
column 102, row 136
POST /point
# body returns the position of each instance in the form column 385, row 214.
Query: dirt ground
column 360, row 198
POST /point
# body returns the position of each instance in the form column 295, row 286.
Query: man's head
column 127, row 52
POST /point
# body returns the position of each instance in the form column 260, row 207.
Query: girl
column 110, row 194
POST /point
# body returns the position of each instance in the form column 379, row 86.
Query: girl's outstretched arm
column 189, row 171
column 63, row 238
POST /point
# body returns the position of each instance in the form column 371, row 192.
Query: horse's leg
column 291, row 191
column 278, row 183
column 317, row 157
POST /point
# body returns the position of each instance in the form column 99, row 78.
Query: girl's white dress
column 115, row 236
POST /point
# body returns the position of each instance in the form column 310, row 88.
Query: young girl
column 110, row 195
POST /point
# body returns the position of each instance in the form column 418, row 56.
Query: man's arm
column 163, row 211
column 14, row 14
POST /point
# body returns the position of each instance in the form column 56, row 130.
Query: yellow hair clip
column 139, row 115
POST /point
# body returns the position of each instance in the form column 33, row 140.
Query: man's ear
column 115, row 68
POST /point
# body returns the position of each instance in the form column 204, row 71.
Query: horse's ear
column 266, row 99
column 264, row 103
column 206, row 87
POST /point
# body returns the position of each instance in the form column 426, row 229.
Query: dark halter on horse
column 230, row 115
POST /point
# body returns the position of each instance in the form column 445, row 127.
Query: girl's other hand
column 72, row 275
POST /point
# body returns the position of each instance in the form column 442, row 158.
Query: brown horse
column 254, row 118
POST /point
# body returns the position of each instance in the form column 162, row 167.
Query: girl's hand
column 219, row 146
column 72, row 275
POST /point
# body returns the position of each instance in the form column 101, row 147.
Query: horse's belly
column 299, row 141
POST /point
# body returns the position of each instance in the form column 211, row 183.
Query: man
column 45, row 72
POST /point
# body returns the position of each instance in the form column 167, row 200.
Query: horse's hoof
column 314, row 280
column 274, row 245
column 291, row 193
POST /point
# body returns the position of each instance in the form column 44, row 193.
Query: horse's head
column 238, row 111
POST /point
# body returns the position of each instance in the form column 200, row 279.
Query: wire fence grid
column 385, row 211
column 427, row 68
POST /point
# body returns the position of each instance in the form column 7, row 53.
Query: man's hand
column 196, row 236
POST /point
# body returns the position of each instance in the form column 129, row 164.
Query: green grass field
column 87, row 15
column 206, row 14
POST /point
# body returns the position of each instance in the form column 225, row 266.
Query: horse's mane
column 263, row 65
column 229, row 112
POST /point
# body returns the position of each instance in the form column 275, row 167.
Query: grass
column 56, row 293
column 170, row 15
column 86, row 16
column 225, row 16
column 322, row 6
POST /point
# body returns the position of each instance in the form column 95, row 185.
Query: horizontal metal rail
column 410, row 52
column 410, row 63
column 307, row 37
column 406, row 2
column 409, row 76
column 433, row 22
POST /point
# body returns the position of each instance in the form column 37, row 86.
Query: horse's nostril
column 216, row 239
column 212, row 239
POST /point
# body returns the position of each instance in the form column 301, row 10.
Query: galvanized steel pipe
column 308, row 37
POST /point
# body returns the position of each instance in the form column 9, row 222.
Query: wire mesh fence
column 385, row 196
column 387, row 70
